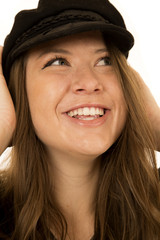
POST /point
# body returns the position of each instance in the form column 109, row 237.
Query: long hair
column 127, row 203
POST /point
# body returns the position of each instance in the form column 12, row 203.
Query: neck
column 75, row 186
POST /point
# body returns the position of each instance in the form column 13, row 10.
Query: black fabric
column 58, row 18
column 6, row 217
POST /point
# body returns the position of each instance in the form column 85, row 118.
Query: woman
column 83, row 163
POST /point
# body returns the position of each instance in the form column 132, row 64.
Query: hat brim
column 119, row 36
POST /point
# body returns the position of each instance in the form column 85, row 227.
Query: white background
column 142, row 18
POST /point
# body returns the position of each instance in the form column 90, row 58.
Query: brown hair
column 128, row 195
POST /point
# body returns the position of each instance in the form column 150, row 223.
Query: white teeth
column 75, row 112
column 101, row 111
column 89, row 118
column 93, row 111
column 86, row 111
column 71, row 113
column 80, row 111
column 97, row 111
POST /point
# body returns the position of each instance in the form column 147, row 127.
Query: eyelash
column 49, row 63
column 108, row 60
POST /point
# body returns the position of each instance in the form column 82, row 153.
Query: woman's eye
column 56, row 62
column 104, row 61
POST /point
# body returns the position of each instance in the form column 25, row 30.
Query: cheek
column 40, row 101
column 119, row 106
column 114, row 90
column 44, row 96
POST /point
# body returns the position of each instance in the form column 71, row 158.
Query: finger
column 1, row 71
column 3, row 81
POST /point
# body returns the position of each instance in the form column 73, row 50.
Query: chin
column 94, row 150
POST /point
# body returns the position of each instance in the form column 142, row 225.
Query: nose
column 86, row 81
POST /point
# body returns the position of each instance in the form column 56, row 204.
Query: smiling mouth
column 87, row 113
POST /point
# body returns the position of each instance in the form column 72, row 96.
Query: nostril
column 83, row 90
column 80, row 90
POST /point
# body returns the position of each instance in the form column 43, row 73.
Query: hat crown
column 70, row 3
column 41, row 24
column 102, row 7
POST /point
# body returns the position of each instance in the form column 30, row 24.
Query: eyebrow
column 101, row 50
column 53, row 50
column 63, row 51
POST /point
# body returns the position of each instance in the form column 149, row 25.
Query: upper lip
column 89, row 105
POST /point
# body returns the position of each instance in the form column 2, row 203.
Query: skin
column 85, row 80
column 7, row 112
column 73, row 147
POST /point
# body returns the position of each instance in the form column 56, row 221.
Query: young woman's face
column 75, row 99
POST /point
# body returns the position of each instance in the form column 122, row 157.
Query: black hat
column 58, row 18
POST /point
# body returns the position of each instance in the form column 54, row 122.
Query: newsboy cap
column 58, row 18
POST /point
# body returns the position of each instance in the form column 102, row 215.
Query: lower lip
column 90, row 123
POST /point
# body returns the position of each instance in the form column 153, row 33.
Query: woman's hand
column 7, row 112
column 153, row 110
